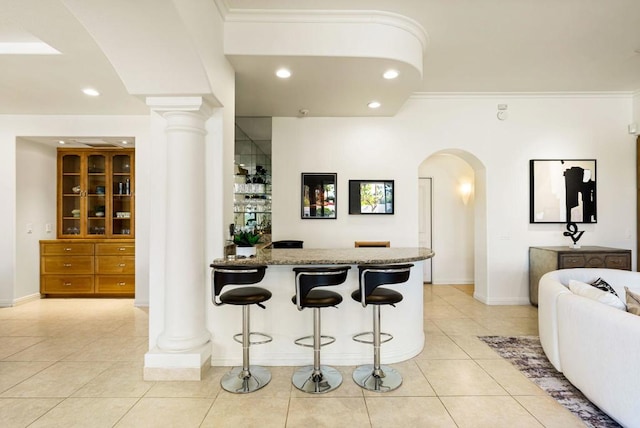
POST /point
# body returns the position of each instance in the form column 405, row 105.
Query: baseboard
column 7, row 303
column 507, row 301
column 453, row 282
column 27, row 299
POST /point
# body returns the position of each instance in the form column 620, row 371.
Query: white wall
column 453, row 220
column 636, row 111
column 12, row 127
column 538, row 127
column 35, row 208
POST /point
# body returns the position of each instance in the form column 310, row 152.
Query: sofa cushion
column 633, row 301
column 604, row 286
column 591, row 292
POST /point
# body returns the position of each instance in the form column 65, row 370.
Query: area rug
column 526, row 354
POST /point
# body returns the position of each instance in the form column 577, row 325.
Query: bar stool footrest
column 266, row 338
column 299, row 341
column 384, row 337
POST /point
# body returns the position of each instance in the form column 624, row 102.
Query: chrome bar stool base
column 385, row 379
column 327, row 380
column 238, row 382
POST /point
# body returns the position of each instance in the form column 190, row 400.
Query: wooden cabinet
column 547, row 259
column 96, row 193
column 87, row 267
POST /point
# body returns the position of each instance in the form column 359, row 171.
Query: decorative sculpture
column 574, row 234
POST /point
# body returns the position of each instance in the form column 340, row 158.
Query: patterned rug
column 526, row 354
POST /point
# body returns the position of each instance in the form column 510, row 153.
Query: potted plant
column 245, row 241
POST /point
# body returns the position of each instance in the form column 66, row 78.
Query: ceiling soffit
column 337, row 59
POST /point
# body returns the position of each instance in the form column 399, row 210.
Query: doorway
column 425, row 223
column 451, row 219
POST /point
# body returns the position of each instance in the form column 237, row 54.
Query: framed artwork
column 562, row 191
column 319, row 195
column 370, row 196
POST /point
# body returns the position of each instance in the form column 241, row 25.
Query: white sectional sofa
column 595, row 346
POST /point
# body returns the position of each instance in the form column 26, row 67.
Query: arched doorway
column 457, row 212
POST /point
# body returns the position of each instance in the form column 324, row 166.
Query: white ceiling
column 473, row 46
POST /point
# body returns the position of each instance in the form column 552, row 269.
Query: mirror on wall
column 252, row 185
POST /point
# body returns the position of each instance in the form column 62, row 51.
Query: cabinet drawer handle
column 67, row 265
column 122, row 265
column 66, row 284
column 122, row 249
column 68, row 249
column 122, row 283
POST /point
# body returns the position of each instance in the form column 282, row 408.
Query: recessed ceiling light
column 91, row 92
column 374, row 104
column 283, row 73
column 61, row 142
column 390, row 74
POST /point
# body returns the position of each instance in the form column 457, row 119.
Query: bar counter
column 333, row 256
column 285, row 323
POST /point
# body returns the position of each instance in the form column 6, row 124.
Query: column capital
column 194, row 104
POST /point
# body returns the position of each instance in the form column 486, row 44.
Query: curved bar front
column 285, row 323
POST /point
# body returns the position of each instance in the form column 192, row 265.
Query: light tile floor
column 78, row 363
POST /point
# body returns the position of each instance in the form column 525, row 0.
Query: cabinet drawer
column 595, row 261
column 73, row 249
column 115, row 284
column 67, row 284
column 572, row 261
column 124, row 249
column 115, row 265
column 617, row 261
column 67, row 265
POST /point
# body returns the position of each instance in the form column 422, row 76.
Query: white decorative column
column 183, row 347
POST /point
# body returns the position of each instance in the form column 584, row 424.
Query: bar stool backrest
column 309, row 278
column 291, row 243
column 373, row 276
column 235, row 275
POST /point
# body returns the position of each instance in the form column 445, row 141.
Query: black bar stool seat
column 249, row 378
column 245, row 296
column 319, row 299
column 379, row 296
column 317, row 379
column 376, row 377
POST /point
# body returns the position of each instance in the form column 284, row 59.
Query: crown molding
column 324, row 16
column 502, row 95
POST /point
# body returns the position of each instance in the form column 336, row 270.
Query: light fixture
column 61, row 142
column 91, row 92
column 125, row 142
column 465, row 190
column 374, row 104
column 283, row 73
column 390, row 74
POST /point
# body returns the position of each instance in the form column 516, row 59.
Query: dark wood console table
column 546, row 259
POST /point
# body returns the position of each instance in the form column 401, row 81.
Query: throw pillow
column 633, row 301
column 604, row 286
column 591, row 292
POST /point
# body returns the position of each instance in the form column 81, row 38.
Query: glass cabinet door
column 71, row 189
column 95, row 193
column 122, row 198
column 96, row 188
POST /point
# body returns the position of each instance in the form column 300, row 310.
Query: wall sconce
column 465, row 190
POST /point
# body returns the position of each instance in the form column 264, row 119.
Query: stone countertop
column 332, row 256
